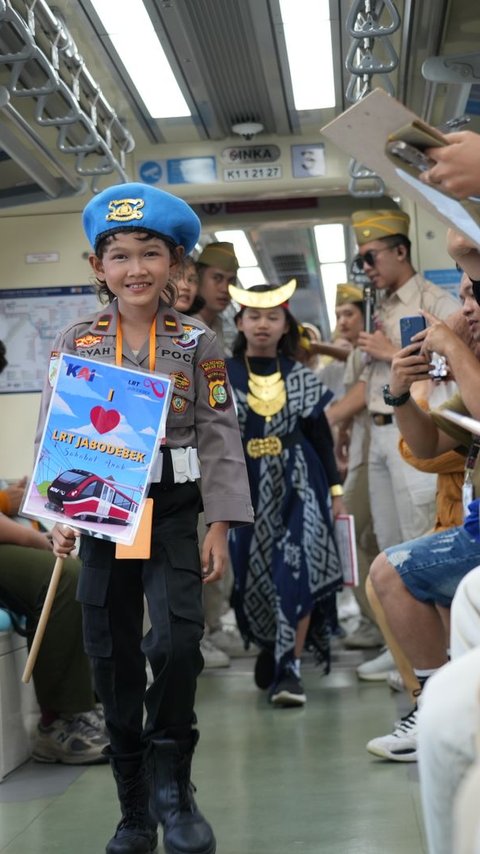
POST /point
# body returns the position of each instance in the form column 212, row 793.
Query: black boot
column 185, row 830
column 137, row 832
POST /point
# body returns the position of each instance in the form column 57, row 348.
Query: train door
column 105, row 501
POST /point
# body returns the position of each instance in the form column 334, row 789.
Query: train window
column 72, row 476
column 89, row 490
column 121, row 501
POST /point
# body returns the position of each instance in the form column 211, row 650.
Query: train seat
column 17, row 701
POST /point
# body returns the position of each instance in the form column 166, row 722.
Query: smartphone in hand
column 409, row 326
column 410, row 154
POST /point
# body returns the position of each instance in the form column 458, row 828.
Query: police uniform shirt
column 414, row 295
column 201, row 412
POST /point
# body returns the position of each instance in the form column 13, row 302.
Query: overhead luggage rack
column 57, row 124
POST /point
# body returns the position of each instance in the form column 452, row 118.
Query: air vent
column 292, row 267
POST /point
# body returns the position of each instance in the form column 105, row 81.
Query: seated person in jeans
column 416, row 581
column 71, row 729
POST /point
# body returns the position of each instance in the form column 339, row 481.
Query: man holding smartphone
column 402, row 498
column 416, row 581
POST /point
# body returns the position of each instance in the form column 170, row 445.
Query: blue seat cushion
column 6, row 624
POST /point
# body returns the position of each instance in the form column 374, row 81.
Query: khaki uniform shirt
column 360, row 432
column 414, row 295
column 218, row 328
column 201, row 412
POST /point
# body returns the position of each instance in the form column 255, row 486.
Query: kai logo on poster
column 101, row 438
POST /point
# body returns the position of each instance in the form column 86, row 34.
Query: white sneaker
column 71, row 741
column 231, row 642
column 401, row 745
column 395, row 681
column 377, row 669
column 366, row 636
column 212, row 655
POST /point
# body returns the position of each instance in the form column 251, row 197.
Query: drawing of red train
column 82, row 495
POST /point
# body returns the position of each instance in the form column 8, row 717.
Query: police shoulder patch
column 87, row 340
column 180, row 380
column 179, row 404
column 189, row 337
column 215, row 374
column 53, row 366
column 103, row 323
column 170, row 323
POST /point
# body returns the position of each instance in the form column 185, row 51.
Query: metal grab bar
column 38, row 58
column 369, row 27
column 363, row 25
column 18, row 121
column 88, row 125
column 368, row 63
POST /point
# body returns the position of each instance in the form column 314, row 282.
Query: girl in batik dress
column 286, row 564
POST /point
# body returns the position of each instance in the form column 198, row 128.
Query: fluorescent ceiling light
column 308, row 37
column 133, row 36
column 243, row 250
column 250, row 276
column 330, row 240
column 332, row 275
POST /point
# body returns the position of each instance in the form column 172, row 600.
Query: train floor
column 271, row 781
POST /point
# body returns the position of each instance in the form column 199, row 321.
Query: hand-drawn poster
column 104, row 428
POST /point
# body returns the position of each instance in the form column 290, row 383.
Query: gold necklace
column 266, row 394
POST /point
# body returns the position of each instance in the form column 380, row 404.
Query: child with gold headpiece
column 287, row 563
column 138, row 236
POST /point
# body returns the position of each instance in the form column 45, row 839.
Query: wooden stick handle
column 42, row 623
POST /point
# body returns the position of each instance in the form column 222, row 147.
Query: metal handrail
column 89, row 125
column 363, row 25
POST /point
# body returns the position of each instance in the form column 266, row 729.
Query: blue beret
column 142, row 207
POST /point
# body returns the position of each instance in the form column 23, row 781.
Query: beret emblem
column 124, row 210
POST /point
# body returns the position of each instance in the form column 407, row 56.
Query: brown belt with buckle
column 272, row 445
column 381, row 418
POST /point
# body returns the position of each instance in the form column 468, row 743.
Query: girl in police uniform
column 138, row 234
column 287, row 563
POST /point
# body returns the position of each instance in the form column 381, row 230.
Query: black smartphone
column 409, row 326
column 411, row 155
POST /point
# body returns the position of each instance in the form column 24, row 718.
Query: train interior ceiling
column 238, row 139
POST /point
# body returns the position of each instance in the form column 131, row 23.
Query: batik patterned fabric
column 287, row 561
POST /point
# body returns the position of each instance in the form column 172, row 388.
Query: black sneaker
column 288, row 690
column 264, row 672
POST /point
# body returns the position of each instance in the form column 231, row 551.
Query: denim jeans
column 433, row 566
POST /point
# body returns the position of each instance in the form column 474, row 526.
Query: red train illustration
column 82, row 495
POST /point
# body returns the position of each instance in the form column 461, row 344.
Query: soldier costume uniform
column 402, row 499
column 155, row 758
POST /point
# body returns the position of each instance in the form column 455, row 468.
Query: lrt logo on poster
column 80, row 372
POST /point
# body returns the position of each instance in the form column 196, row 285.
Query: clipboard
column 363, row 131
column 344, row 527
column 141, row 547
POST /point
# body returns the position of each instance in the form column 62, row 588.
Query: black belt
column 381, row 418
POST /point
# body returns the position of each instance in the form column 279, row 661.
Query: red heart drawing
column 104, row 420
